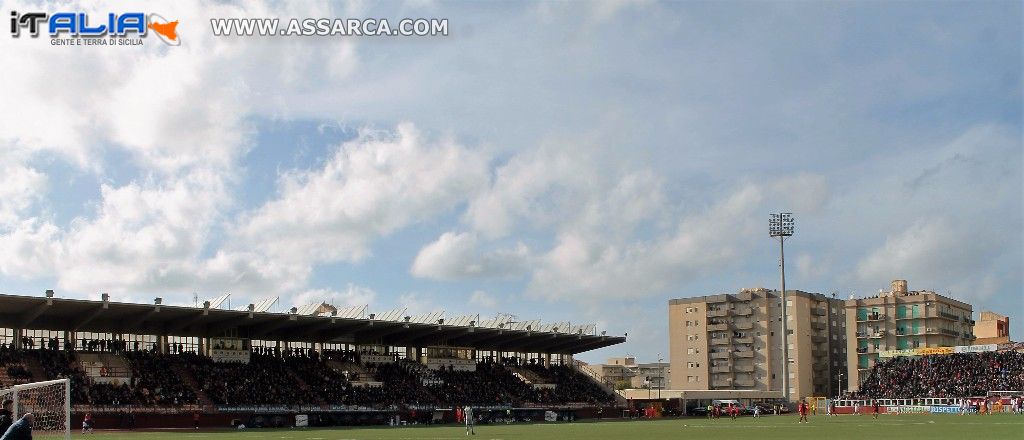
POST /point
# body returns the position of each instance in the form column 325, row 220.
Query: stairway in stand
column 304, row 386
column 191, row 382
column 33, row 366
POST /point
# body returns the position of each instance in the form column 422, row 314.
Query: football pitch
column 903, row 427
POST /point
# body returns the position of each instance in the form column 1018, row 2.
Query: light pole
column 840, row 385
column 781, row 225
column 661, row 375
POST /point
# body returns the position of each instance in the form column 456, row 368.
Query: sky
column 562, row 161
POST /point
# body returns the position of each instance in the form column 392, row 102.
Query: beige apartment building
column 625, row 372
column 734, row 342
column 899, row 320
column 992, row 328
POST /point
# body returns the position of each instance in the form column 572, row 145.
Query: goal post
column 50, row 405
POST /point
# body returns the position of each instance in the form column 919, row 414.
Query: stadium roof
column 48, row 313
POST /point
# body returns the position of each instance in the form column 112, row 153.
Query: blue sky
column 578, row 162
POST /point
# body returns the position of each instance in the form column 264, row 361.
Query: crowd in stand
column 490, row 384
column 953, row 375
column 298, row 377
column 570, row 386
column 265, row 380
column 401, row 384
column 157, row 383
column 328, row 384
column 12, row 365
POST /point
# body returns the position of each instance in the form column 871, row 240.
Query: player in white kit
column 467, row 413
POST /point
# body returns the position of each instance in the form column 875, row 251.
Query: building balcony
column 744, row 368
column 717, row 327
column 862, row 350
column 946, row 315
column 721, row 341
column 821, row 367
column 744, row 354
column 745, row 382
column 819, row 353
column 743, row 311
column 718, row 313
column 819, row 325
column 967, row 321
column 969, row 336
column 819, row 339
column 725, row 369
column 720, row 355
column 744, row 340
column 723, row 383
column 871, row 317
column 743, row 325
column 818, row 312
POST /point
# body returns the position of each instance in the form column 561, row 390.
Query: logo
column 166, row 30
column 80, row 28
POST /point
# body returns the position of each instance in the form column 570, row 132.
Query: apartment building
column 734, row 342
column 992, row 328
column 901, row 319
column 626, row 372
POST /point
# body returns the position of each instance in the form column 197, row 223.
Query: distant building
column 992, row 328
column 734, row 342
column 899, row 320
column 625, row 372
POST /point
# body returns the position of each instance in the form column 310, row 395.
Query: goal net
column 50, row 405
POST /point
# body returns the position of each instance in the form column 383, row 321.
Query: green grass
column 903, row 427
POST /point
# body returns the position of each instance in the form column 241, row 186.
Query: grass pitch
column 902, row 427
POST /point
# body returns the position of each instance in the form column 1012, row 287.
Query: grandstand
column 155, row 365
column 954, row 375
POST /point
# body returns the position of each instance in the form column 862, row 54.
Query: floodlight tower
column 781, row 225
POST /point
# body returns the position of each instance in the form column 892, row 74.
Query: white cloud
column 353, row 295
column 814, row 266
column 175, row 117
column 417, row 303
column 933, row 252
column 457, row 256
column 29, row 249
column 144, row 235
column 536, row 187
column 483, row 299
column 170, row 108
column 369, row 188
column 20, row 187
column 588, row 267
